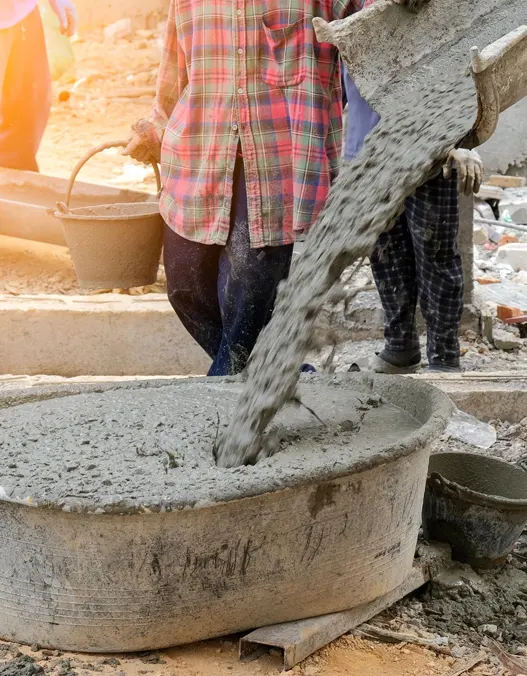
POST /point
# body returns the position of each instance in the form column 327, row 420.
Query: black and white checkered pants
column 418, row 259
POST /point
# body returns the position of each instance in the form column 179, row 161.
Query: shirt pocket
column 283, row 52
column 178, row 124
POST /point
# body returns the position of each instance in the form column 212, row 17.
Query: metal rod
column 508, row 226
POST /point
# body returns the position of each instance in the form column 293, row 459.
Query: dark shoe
column 389, row 363
column 442, row 368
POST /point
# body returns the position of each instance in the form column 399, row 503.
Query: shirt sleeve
column 172, row 77
column 344, row 8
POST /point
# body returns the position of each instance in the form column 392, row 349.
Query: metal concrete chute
column 389, row 51
column 500, row 74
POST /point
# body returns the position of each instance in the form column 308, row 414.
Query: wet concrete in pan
column 131, row 448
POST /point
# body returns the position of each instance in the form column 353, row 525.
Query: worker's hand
column 412, row 5
column 138, row 149
column 67, row 14
column 145, row 145
column 469, row 167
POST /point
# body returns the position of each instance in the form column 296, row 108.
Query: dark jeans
column 419, row 260
column 25, row 93
column 224, row 295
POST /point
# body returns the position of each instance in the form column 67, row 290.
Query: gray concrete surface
column 506, row 151
column 99, row 335
column 466, row 243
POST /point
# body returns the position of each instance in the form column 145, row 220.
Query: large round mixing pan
column 118, row 532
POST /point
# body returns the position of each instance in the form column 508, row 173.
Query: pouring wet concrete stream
column 428, row 104
column 118, row 532
column 367, row 196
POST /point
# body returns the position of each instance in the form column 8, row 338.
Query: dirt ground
column 105, row 96
column 476, row 355
column 38, row 268
column 346, row 657
column 96, row 103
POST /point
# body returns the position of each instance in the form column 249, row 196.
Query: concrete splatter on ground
column 490, row 603
column 465, row 608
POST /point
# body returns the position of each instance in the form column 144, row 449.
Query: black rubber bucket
column 478, row 505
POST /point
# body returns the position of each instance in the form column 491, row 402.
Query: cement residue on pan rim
column 429, row 406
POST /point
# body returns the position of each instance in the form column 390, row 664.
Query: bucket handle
column 64, row 206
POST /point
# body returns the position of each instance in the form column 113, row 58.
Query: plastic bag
column 470, row 430
column 60, row 54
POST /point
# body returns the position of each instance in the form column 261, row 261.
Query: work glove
column 67, row 14
column 469, row 167
column 412, row 5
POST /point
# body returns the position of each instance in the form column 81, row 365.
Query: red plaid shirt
column 249, row 72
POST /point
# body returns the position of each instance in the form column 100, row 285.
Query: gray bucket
column 113, row 245
column 478, row 505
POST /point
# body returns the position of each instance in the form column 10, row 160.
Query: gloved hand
column 469, row 167
column 412, row 5
column 67, row 14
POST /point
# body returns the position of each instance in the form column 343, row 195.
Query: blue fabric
column 361, row 117
column 224, row 295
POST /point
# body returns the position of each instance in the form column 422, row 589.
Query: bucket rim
column 73, row 215
column 457, row 490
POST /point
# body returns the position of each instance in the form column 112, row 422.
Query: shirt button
column 239, row 12
column 234, row 127
column 240, row 91
column 240, row 51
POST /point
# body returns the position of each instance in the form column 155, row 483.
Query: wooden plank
column 516, row 666
column 467, row 666
column 490, row 192
column 507, row 181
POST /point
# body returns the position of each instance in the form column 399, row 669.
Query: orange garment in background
column 25, row 92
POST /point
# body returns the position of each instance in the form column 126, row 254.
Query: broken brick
column 503, row 312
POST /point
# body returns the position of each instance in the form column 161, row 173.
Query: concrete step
column 109, row 335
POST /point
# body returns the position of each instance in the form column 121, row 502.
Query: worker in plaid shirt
column 247, row 127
